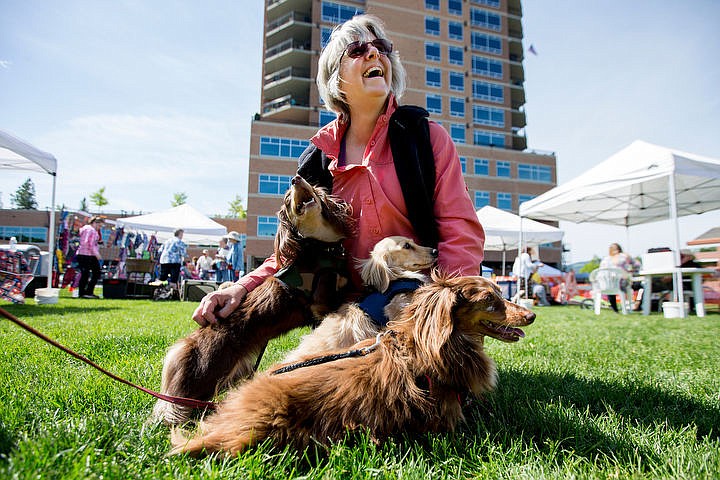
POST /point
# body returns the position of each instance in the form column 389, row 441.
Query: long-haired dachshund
column 307, row 247
column 410, row 381
column 394, row 272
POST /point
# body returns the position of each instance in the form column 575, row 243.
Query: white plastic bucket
column 46, row 296
column 674, row 309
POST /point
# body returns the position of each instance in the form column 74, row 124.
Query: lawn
column 581, row 396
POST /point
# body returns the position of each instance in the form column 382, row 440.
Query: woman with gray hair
column 360, row 78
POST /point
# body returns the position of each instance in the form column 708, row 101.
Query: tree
column 236, row 208
column 98, row 198
column 591, row 265
column 179, row 198
column 24, row 198
column 83, row 205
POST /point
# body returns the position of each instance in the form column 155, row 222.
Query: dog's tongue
column 510, row 333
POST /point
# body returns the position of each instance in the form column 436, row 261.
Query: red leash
column 187, row 402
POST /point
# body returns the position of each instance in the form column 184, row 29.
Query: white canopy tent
column 16, row 154
column 198, row 228
column 641, row 183
column 502, row 231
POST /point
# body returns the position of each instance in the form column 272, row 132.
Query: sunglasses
column 359, row 49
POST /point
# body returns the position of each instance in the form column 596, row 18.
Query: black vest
column 412, row 152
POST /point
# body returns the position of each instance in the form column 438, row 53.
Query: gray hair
column 360, row 27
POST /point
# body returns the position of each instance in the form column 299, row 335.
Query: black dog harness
column 374, row 303
column 318, row 261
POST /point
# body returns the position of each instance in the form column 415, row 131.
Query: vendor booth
column 642, row 183
column 16, row 154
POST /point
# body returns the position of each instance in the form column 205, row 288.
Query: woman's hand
column 227, row 300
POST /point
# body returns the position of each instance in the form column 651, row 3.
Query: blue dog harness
column 374, row 303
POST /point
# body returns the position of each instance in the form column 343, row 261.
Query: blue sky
column 148, row 99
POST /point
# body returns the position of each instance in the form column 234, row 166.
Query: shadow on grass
column 565, row 415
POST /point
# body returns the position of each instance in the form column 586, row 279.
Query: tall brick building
column 464, row 60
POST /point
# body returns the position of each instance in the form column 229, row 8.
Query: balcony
column 517, row 96
column 519, row 140
column 294, row 25
column 289, row 53
column 277, row 8
column 287, row 109
column 292, row 81
column 518, row 118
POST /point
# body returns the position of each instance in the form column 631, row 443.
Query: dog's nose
column 295, row 179
column 530, row 317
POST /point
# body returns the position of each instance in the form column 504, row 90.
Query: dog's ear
column 286, row 246
column 338, row 212
column 433, row 318
column 375, row 272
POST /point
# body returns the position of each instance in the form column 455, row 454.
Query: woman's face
column 367, row 76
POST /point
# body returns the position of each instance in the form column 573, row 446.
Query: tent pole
column 51, row 231
column 677, row 275
column 522, row 264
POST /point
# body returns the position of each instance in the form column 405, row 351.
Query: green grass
column 582, row 396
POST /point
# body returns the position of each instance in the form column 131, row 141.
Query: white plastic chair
column 606, row 281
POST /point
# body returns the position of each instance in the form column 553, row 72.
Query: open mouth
column 502, row 332
column 302, row 200
column 374, row 72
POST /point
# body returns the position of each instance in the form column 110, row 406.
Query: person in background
column 220, row 261
column 172, row 257
column 360, row 78
column 88, row 257
column 204, row 265
column 236, row 259
column 618, row 259
column 524, row 267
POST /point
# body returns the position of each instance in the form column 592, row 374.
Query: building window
column 325, row 117
column 455, row 7
column 433, row 77
column 492, row 92
column 282, row 147
column 492, row 117
column 457, row 132
column 457, row 81
column 502, row 169
column 487, row 67
column 456, row 55
column 525, row 198
column 455, row 30
column 484, row 19
column 504, row 201
column 482, row 137
column 489, row 3
column 336, row 13
column 486, row 43
column 432, row 26
column 482, row 199
column 267, row 226
column 463, row 165
column 457, row 107
column 481, row 167
column 273, row 184
column 432, row 51
column 325, row 36
column 535, row 173
column 433, row 103
column 24, row 234
column 432, row 4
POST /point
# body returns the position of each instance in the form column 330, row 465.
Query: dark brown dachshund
column 307, row 247
column 411, row 380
